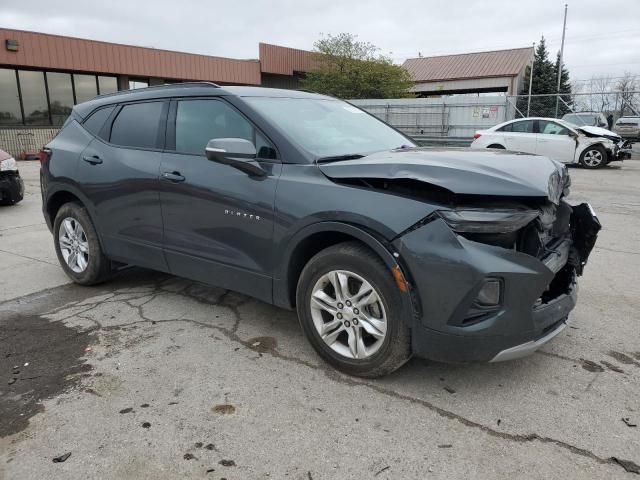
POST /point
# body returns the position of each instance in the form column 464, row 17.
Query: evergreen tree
column 565, row 87
column 545, row 82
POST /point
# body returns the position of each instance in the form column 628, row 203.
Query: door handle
column 93, row 159
column 173, row 177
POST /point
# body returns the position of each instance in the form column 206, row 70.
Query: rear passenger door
column 218, row 221
column 119, row 174
column 519, row 136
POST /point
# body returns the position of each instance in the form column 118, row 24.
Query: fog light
column 490, row 293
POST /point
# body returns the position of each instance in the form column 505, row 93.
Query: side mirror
column 235, row 152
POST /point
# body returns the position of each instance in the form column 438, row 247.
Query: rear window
column 634, row 122
column 137, row 125
column 96, row 120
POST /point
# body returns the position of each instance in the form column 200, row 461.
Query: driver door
column 218, row 221
column 554, row 141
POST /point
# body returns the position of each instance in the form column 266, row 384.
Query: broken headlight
column 495, row 220
column 8, row 165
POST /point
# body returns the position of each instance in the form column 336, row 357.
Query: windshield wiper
column 338, row 158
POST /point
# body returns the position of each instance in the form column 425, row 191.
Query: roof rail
column 165, row 85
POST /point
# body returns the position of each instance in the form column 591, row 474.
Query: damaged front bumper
column 448, row 273
column 11, row 188
column 621, row 151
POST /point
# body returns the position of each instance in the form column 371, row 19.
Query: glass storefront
column 38, row 98
column 10, row 113
column 60, row 96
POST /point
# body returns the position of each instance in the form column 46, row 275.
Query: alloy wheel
column 348, row 314
column 74, row 245
column 593, row 158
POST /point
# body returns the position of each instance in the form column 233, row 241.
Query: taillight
column 476, row 136
column 44, row 154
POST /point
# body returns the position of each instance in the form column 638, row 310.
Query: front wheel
column 593, row 157
column 77, row 246
column 351, row 310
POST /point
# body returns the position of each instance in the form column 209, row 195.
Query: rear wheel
column 77, row 246
column 351, row 311
column 496, row 146
column 593, row 157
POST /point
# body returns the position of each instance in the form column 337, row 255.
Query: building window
column 107, row 84
column 34, row 97
column 86, row 87
column 138, row 83
column 46, row 98
column 10, row 113
column 60, row 96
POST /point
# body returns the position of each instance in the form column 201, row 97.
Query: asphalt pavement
column 152, row 376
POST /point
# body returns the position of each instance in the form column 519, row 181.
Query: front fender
column 282, row 282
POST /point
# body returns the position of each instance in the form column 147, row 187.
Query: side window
column 506, row 128
column 96, row 120
column 137, row 125
column 198, row 121
column 265, row 148
column 525, row 126
column 551, row 128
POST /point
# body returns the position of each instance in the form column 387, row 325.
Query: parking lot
column 152, row 376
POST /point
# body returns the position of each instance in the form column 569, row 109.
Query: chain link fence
column 616, row 104
column 454, row 119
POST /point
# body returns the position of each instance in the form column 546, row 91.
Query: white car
column 592, row 147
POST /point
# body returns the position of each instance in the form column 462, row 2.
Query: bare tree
column 600, row 93
column 627, row 87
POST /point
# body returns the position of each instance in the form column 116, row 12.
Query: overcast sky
column 603, row 36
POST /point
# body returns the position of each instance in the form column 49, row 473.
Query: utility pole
column 531, row 78
column 564, row 29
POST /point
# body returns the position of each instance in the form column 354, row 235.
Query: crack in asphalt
column 222, row 300
column 6, row 229
column 626, row 252
column 29, row 258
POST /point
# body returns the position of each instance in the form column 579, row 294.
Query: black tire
column 496, row 146
column 593, row 150
column 395, row 349
column 98, row 267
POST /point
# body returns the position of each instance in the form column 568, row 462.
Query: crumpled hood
column 460, row 170
column 599, row 132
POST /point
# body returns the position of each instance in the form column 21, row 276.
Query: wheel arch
column 597, row 143
column 66, row 194
column 311, row 240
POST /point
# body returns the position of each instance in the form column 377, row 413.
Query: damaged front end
column 618, row 149
column 496, row 293
column 492, row 266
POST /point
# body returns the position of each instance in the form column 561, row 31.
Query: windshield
column 581, row 120
column 327, row 128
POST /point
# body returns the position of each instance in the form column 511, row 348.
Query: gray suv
column 385, row 249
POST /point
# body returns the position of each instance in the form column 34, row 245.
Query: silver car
column 589, row 119
column 628, row 127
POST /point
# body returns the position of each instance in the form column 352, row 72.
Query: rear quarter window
column 97, row 119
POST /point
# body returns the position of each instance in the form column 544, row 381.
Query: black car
column 11, row 184
column 304, row 201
